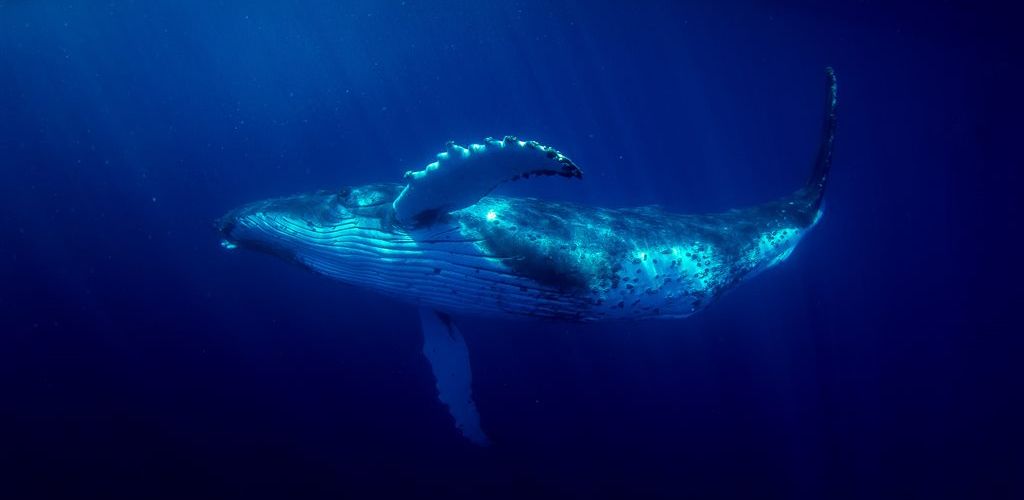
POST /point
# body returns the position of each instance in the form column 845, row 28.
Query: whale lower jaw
column 452, row 275
column 454, row 279
column 461, row 284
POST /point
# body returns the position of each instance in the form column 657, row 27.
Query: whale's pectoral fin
column 461, row 176
column 446, row 350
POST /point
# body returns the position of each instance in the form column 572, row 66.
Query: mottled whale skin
column 442, row 242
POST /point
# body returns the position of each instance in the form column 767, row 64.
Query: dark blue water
column 138, row 359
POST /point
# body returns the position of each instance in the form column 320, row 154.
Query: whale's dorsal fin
column 461, row 176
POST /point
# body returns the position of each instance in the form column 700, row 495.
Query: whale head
column 299, row 227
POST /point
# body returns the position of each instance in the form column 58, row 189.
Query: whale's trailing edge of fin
column 446, row 350
column 461, row 176
column 814, row 191
column 806, row 202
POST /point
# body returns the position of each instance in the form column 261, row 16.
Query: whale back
column 632, row 263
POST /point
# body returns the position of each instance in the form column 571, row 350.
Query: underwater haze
column 141, row 359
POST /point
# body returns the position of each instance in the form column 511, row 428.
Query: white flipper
column 461, row 176
column 446, row 350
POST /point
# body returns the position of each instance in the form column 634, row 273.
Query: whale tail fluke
column 812, row 194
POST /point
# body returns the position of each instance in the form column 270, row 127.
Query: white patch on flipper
column 461, row 176
column 446, row 350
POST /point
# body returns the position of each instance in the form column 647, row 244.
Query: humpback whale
column 441, row 241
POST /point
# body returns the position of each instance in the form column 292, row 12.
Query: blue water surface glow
column 140, row 359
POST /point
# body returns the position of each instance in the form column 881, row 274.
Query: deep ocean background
column 139, row 359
